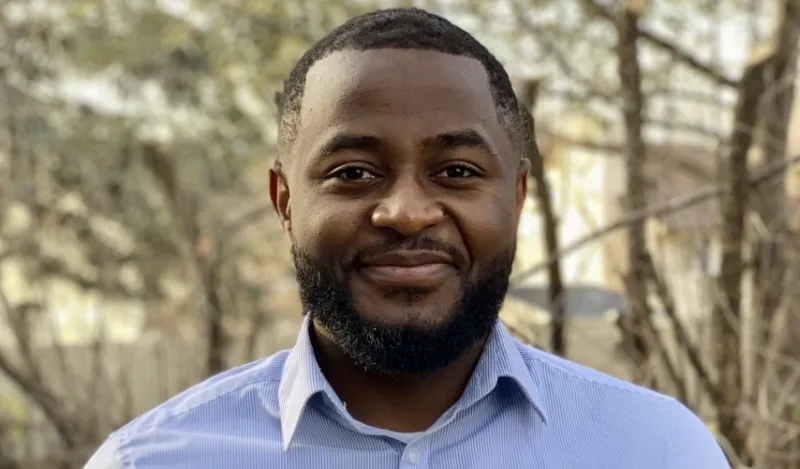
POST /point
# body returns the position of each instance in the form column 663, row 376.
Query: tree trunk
column 558, row 319
column 773, row 249
column 638, row 257
column 726, row 313
column 770, row 202
column 209, row 265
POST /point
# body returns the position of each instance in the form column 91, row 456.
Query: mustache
column 419, row 243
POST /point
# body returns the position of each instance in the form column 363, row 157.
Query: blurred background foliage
column 138, row 250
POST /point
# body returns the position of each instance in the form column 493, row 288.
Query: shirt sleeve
column 105, row 457
column 692, row 445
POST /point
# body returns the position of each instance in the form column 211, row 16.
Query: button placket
column 414, row 455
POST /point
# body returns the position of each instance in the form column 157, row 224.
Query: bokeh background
column 139, row 253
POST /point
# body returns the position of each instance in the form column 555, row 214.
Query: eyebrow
column 343, row 142
column 467, row 138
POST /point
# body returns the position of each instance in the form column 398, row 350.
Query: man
column 400, row 184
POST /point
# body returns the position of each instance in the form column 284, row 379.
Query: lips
column 409, row 268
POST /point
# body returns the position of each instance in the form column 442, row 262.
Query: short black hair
column 399, row 28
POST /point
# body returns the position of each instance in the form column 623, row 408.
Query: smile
column 406, row 269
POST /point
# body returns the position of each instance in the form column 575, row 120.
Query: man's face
column 401, row 195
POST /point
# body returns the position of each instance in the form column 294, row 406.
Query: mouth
column 409, row 269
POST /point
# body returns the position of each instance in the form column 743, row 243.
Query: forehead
column 407, row 87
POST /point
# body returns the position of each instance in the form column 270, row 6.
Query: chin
column 408, row 308
column 405, row 316
column 392, row 326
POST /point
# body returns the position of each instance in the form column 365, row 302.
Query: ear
column 279, row 194
column 522, row 184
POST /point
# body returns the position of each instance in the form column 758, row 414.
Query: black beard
column 393, row 350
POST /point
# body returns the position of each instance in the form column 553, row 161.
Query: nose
column 407, row 209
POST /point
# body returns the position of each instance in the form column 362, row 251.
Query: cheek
column 488, row 228
column 322, row 231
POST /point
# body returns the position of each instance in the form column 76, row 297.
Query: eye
column 457, row 171
column 353, row 173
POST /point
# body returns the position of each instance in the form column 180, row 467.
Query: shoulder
column 638, row 416
column 691, row 443
column 255, row 377
column 106, row 456
column 226, row 398
column 552, row 372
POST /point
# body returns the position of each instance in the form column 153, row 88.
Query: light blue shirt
column 522, row 408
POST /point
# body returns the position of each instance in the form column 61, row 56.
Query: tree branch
column 40, row 395
column 656, row 211
column 667, row 46
column 564, row 63
column 633, row 103
column 549, row 220
column 770, row 201
column 684, row 341
column 726, row 312
column 689, row 167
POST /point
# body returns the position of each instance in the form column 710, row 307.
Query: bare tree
column 133, row 200
column 558, row 319
column 636, row 154
column 752, row 203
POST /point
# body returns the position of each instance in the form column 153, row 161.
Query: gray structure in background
column 581, row 300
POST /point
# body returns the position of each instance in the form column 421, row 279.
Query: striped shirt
column 522, row 408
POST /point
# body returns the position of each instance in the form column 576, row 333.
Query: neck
column 401, row 402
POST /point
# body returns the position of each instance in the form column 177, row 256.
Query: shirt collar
column 302, row 378
column 501, row 358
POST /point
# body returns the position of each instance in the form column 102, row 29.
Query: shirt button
column 412, row 453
